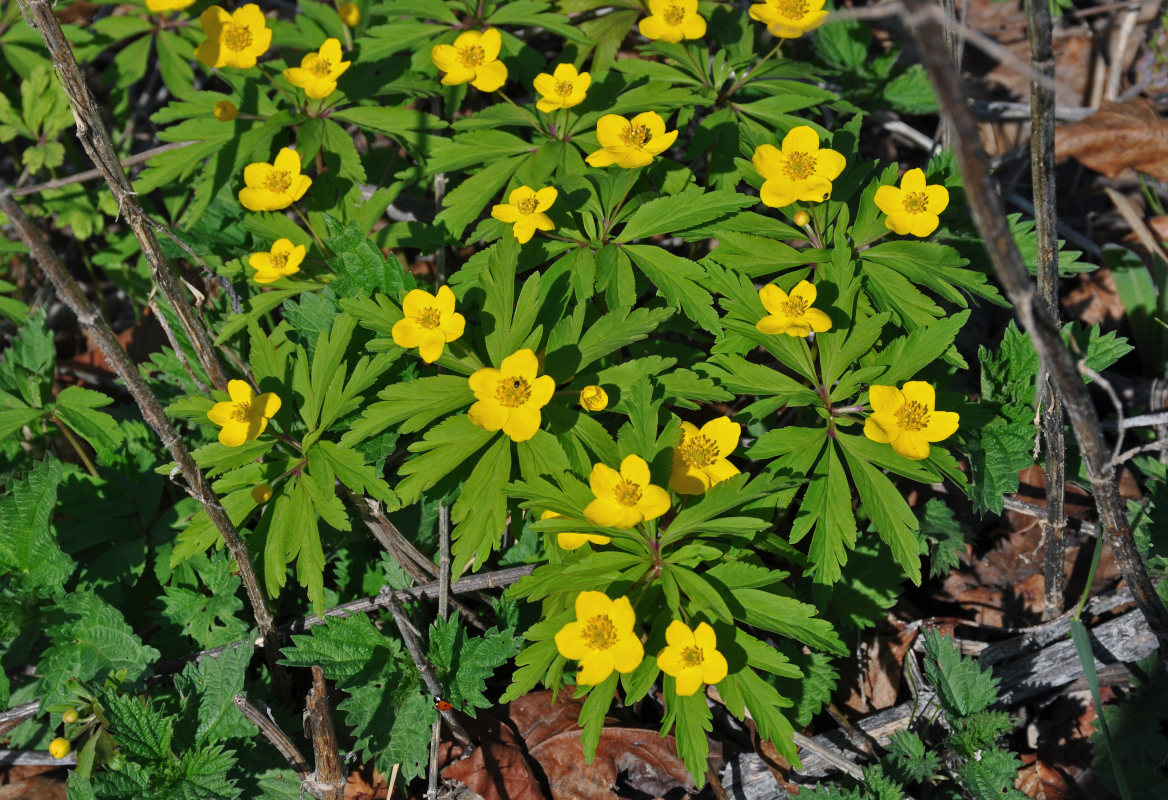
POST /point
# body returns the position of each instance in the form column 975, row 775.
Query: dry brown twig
column 274, row 734
column 327, row 781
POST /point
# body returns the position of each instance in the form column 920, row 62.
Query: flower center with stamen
column 912, row 416
column 692, row 656
column 698, row 451
column 278, row 181
column 794, row 9
column 236, row 37
column 471, row 56
column 430, row 318
column 636, row 136
column 526, row 205
column 320, row 67
column 279, row 260
column 512, row 392
column 794, row 307
column 241, row 412
column 915, row 202
column 674, row 15
column 564, row 88
column 627, row 493
column 599, row 632
column 799, row 165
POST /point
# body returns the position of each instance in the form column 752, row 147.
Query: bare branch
column 328, row 781
column 90, row 174
column 274, row 734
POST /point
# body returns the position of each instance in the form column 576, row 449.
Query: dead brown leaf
column 1039, row 781
column 498, row 769
column 1117, row 137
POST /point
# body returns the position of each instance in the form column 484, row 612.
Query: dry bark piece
column 1118, row 136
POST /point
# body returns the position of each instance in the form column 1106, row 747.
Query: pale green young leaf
column 963, row 687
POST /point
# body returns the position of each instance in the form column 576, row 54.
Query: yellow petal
column 777, row 194
column 492, row 43
column 444, row 301
column 889, row 199
column 622, row 615
column 416, row 301
column 407, row 333
column 885, row 399
column 679, row 635
column 634, row 469
column 942, row 425
column 923, row 224
column 431, row 345
column 589, row 604
column 505, row 212
column 714, row 666
column 688, row 682
column 240, row 391
column 686, row 479
column 801, row 139
column 452, row 326
column 608, row 513
column 913, row 181
column 488, row 415
column 937, row 197
column 287, row 160
column 719, row 471
column 601, row 158
column 603, row 480
column 567, row 72
column 608, row 132
column 545, row 84
column 627, row 653
column 654, row 502
column 212, row 21
column 545, row 197
column 522, row 423
column 911, row 444
column 594, row 668
column 233, row 434
column 704, row 637
column 774, row 324
column 299, row 188
column 542, row 390
column 331, row 50
column 490, row 77
column 920, row 392
column 521, row 363
column 773, row 298
column 268, row 404
column 220, row 413
column 468, row 39
column 724, row 433
column 445, row 57
column 693, row 26
column 570, row 641
column 657, row 29
column 829, row 163
column 881, row 428
column 805, row 291
column 669, row 660
column 484, row 382
column 818, row 320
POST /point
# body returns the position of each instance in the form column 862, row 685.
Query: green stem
column 308, row 225
column 738, row 84
column 611, row 217
column 77, row 448
column 279, row 88
column 527, row 114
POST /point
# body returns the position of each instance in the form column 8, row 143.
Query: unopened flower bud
column 69, row 717
column 350, row 14
column 261, row 493
column 59, row 748
column 593, row 398
column 225, row 111
column 802, row 218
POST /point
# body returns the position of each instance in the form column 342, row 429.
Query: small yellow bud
column 802, row 218
column 225, row 111
column 69, row 717
column 261, row 493
column 350, row 14
column 59, row 748
column 593, row 398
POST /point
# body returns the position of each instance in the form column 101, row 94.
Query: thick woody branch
column 1043, row 330
column 328, row 781
column 94, row 137
column 197, row 485
column 274, row 734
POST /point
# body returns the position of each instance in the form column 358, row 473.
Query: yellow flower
column 430, row 322
column 349, row 14
column 509, row 398
column 233, row 40
column 261, row 492
column 792, row 313
column 283, row 259
column 672, row 21
column 789, row 19
column 245, row 416
column 225, row 111
column 473, row 57
column 692, row 657
column 318, row 72
column 628, row 143
column 271, row 187
column 602, row 638
column 624, row 498
column 59, row 748
column 699, row 460
column 564, row 88
column 593, row 398
column 800, row 171
column 913, row 208
column 906, row 418
column 570, row 540
column 166, row 6
column 524, row 208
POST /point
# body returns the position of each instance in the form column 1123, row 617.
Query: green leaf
column 210, row 617
column 391, row 720
column 910, row 92
column 360, row 264
column 342, row 646
column 143, row 732
column 679, row 281
column 890, row 513
column 908, row 759
column 786, row 617
column 814, row 689
column 480, row 513
column 844, row 44
column 907, row 355
column 29, row 546
column 992, row 776
column 465, row 664
column 692, row 719
column 963, row 687
column 444, row 447
column 213, row 682
column 350, row 468
column 680, row 211
column 947, row 535
column 75, row 407
column 411, row 406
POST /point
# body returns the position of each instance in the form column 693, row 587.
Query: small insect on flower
column 673, row 20
column 563, row 88
column 350, row 14
column 225, row 111
column 430, row 322
column 801, row 170
column 318, row 72
column 245, row 416
column 235, row 39
column 907, row 418
column 473, row 58
column 282, row 260
column 525, row 209
column 510, row 398
column 271, row 187
column 59, row 748
column 789, row 19
column 913, row 208
column 630, row 143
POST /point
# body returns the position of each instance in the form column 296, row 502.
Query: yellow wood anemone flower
column 907, row 418
column 625, row 498
column 672, row 21
column 593, row 398
column 801, row 170
column 563, row 88
column 692, row 657
column 166, row 6
column 430, row 322
column 60, row 747
column 473, row 58
column 245, row 416
column 913, row 208
column 283, row 259
column 270, row 187
column 789, row 19
column 570, row 540
column 699, row 460
column 602, row 638
column 350, row 14
column 524, row 210
column 318, row 72
column 234, row 39
column 509, row 398
column 630, row 143
column 792, row 313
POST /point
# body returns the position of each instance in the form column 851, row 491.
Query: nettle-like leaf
column 465, row 664
column 210, row 617
column 342, row 646
column 208, row 688
column 963, row 687
column 390, row 719
column 29, row 552
column 909, row 760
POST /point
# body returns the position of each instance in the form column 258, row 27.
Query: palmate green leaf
column 679, row 281
column 935, row 266
column 76, row 407
column 891, row 515
column 905, row 356
column 293, row 534
column 442, row 450
column 350, row 467
column 480, row 513
column 342, row 646
column 142, row 731
column 746, row 690
column 740, row 376
column 28, row 546
column 946, row 536
column 786, row 617
column 606, row 33
column 411, row 406
column 680, row 211
column 826, row 512
column 463, row 204
column 811, row 692
column 209, row 685
column 616, row 329
column 691, row 719
column 210, row 617
column 731, row 493
column 579, row 574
